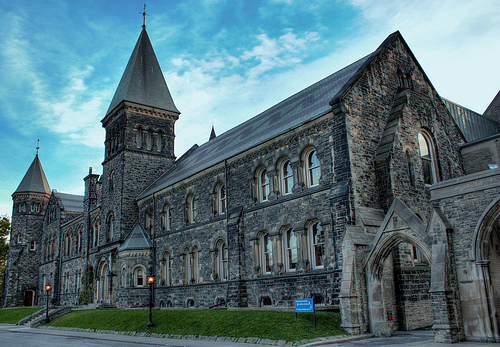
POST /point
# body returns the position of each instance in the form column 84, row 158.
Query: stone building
column 365, row 191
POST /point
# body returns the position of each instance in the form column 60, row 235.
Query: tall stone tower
column 139, row 143
column 29, row 203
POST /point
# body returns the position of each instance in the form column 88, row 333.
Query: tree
column 4, row 246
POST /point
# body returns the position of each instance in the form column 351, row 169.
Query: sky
column 224, row 61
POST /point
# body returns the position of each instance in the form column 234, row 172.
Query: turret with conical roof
column 139, row 143
column 29, row 204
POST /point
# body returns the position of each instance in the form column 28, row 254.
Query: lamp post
column 151, row 281
column 47, row 289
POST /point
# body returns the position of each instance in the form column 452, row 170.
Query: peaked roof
column 137, row 239
column 70, row 202
column 473, row 125
column 143, row 82
column 300, row 108
column 34, row 180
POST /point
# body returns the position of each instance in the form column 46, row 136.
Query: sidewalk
column 410, row 338
column 172, row 340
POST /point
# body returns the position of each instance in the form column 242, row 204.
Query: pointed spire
column 212, row 134
column 34, row 180
column 143, row 82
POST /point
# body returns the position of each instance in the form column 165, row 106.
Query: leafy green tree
column 4, row 246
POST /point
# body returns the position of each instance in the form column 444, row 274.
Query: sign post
column 305, row 305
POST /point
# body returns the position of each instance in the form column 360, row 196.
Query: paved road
column 13, row 336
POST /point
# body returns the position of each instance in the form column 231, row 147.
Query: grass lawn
column 14, row 315
column 263, row 324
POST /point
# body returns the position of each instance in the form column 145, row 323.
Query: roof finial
column 37, row 147
column 144, row 14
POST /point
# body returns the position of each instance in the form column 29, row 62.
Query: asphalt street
column 13, row 336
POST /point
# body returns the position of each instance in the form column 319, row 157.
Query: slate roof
column 305, row 106
column 143, row 82
column 34, row 181
column 137, row 239
column 71, row 202
column 473, row 125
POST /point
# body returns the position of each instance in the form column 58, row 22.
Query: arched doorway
column 494, row 267
column 103, row 283
column 398, row 273
column 399, row 279
column 486, row 252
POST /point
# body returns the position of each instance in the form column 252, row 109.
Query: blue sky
column 224, row 62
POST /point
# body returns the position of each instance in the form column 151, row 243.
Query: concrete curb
column 320, row 341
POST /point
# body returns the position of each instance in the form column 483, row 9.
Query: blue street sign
column 304, row 305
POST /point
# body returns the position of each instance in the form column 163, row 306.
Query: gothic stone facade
column 340, row 193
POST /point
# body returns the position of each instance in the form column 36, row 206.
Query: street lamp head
column 47, row 287
column 151, row 279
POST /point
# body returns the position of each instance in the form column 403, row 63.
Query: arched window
column 262, row 184
column 148, row 222
column 124, row 277
column 286, row 175
column 191, row 209
column 316, row 242
column 138, row 138
column 112, row 180
column 167, row 269
column 109, row 232
column 66, row 244
column 427, row 157
column 194, row 262
column 95, row 232
column 139, row 277
column 220, row 199
column 188, row 266
column 290, row 247
column 167, row 217
column 221, row 261
column 313, row 170
column 266, row 251
column 79, row 240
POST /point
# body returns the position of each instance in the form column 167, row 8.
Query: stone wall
column 479, row 154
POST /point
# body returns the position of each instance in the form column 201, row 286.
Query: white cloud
column 456, row 42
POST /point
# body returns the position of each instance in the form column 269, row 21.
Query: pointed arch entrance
column 390, row 273
column 486, row 254
column 103, row 283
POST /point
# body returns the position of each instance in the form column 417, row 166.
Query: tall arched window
column 290, row 247
column 95, row 232
column 148, row 222
column 266, row 251
column 188, row 266
column 286, row 175
column 79, row 240
column 167, row 217
column 194, row 262
column 109, row 232
column 221, row 260
column 167, row 269
column 191, row 209
column 316, row 238
column 112, row 180
column 262, row 184
column 427, row 157
column 313, row 170
column 220, row 199
column 124, row 277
